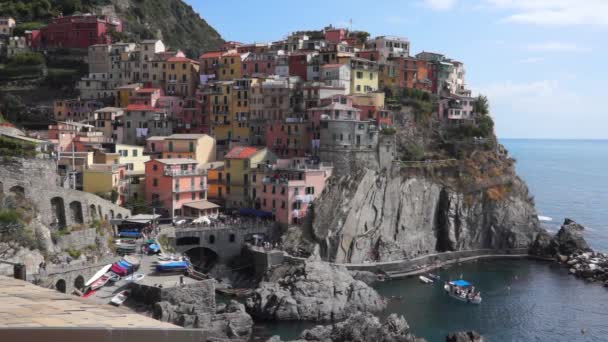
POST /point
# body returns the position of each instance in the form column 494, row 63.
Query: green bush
column 413, row 152
column 73, row 253
column 26, row 59
column 9, row 216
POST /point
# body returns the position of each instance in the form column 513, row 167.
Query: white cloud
column 530, row 60
column 554, row 46
column 440, row 5
column 554, row 12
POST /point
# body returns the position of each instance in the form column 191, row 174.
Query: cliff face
column 392, row 215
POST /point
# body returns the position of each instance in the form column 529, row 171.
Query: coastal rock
column 469, row 336
column 360, row 327
column 385, row 216
column 194, row 307
column 570, row 239
column 367, row 277
column 312, row 291
column 543, row 245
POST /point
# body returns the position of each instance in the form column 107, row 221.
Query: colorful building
column 237, row 179
column 199, row 147
column 7, row 25
column 75, row 109
column 287, row 188
column 364, row 76
column 182, row 76
column 230, row 66
column 171, row 183
column 79, row 31
column 108, row 180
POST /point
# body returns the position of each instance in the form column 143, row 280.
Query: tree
column 482, row 106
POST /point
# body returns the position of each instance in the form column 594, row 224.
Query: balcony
column 183, row 173
column 190, row 189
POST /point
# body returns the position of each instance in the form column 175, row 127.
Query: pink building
column 287, row 188
column 258, row 65
column 171, row 105
column 335, row 35
column 289, row 138
column 68, row 136
column 172, row 183
column 145, row 97
column 192, row 118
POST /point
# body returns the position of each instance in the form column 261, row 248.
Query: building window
column 170, row 146
column 154, row 182
column 134, row 153
column 274, row 205
column 193, row 196
column 155, row 167
column 282, row 204
column 264, row 188
column 177, row 197
column 191, row 146
column 232, row 238
column 211, row 239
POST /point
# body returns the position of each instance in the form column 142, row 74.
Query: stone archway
column 92, row 212
column 76, row 212
column 79, row 283
column 60, row 286
column 119, row 216
column 17, row 191
column 202, row 258
column 58, row 212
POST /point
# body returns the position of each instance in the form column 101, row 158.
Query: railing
column 177, row 173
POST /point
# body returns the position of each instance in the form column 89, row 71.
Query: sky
column 542, row 63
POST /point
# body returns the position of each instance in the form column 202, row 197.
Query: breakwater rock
column 311, row 291
column 360, row 327
column 464, row 336
column 570, row 248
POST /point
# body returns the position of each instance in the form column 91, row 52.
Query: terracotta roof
column 175, row 161
column 141, row 108
column 231, row 54
column 241, row 152
column 181, row 60
column 147, row 90
column 211, row 54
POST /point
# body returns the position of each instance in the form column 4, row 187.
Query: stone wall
column 77, row 239
column 37, row 180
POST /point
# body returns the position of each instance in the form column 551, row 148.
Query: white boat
column 425, row 280
column 120, row 298
column 135, row 277
column 460, row 290
column 103, row 280
column 98, row 275
column 433, row 276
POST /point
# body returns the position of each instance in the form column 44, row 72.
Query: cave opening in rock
column 202, row 258
column 441, row 224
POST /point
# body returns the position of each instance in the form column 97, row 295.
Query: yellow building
column 124, row 93
column 104, row 179
column 364, row 76
column 199, row 147
column 230, row 110
column 181, row 76
column 375, row 99
column 230, row 66
column 238, row 177
column 213, row 182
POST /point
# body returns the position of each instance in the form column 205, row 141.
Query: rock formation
column 194, row 307
column 385, row 216
column 468, row 336
column 312, row 291
column 360, row 327
column 568, row 240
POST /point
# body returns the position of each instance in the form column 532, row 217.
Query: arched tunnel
column 203, row 259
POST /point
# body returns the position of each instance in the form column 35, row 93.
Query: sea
column 523, row 300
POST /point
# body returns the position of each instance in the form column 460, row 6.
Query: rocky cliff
column 406, row 212
column 312, row 291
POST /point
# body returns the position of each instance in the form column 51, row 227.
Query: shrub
column 413, row 152
column 73, row 253
column 26, row 59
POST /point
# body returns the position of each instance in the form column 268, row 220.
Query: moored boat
column 101, row 281
column 98, row 275
column 173, row 266
column 120, row 298
column 463, row 291
column 433, row 276
column 425, row 280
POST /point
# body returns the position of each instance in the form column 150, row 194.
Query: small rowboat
column 433, row 276
column 120, row 298
column 425, row 280
column 135, row 277
column 101, row 281
column 98, row 275
column 173, row 266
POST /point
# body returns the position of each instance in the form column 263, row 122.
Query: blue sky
column 542, row 63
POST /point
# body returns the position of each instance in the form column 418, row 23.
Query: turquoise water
column 568, row 178
column 522, row 300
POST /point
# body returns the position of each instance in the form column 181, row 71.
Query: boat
column 173, row 266
column 425, row 280
column 98, row 275
column 164, row 257
column 127, row 233
column 89, row 293
column 120, row 298
column 463, row 291
column 433, row 276
column 153, row 248
column 101, row 281
column 135, row 277
column 126, row 246
column 114, row 278
column 121, row 271
column 132, row 260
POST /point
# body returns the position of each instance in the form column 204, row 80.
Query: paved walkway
column 26, row 305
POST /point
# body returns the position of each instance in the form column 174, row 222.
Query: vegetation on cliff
column 171, row 20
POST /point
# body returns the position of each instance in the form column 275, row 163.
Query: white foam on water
column 544, row 218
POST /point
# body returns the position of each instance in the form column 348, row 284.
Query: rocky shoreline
column 569, row 248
